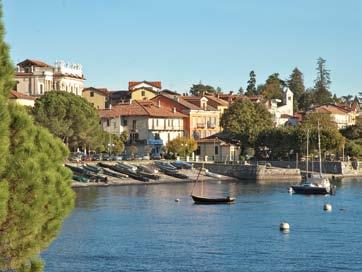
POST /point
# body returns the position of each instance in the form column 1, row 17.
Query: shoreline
column 164, row 179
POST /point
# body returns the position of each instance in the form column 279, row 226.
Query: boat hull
column 312, row 190
column 205, row 200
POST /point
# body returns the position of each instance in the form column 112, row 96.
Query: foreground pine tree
column 35, row 192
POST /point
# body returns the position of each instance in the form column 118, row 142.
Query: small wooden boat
column 206, row 200
column 201, row 199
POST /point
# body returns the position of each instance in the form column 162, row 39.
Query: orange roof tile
column 156, row 84
column 103, row 91
column 33, row 62
column 16, row 95
column 139, row 108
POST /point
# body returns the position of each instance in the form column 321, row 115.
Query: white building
column 145, row 123
column 282, row 114
column 34, row 77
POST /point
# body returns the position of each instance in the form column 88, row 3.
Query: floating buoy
column 290, row 190
column 177, row 200
column 284, row 226
column 327, row 207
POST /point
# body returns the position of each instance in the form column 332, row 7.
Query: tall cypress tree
column 322, row 94
column 35, row 192
column 296, row 85
column 251, row 88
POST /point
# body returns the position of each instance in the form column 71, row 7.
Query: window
column 157, row 136
column 289, row 98
column 41, row 88
column 91, row 94
column 124, row 122
column 134, row 124
column 107, row 122
column 143, row 93
column 216, row 150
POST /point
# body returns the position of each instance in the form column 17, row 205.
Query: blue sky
column 188, row 41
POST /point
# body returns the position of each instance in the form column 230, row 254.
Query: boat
column 314, row 184
column 165, row 166
column 182, row 165
column 201, row 199
column 211, row 174
column 92, row 168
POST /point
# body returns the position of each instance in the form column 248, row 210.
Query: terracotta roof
column 330, row 109
column 103, row 91
column 17, row 95
column 139, row 108
column 217, row 100
column 33, row 62
column 178, row 99
column 156, row 84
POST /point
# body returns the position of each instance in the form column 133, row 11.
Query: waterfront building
column 145, row 122
column 342, row 116
column 98, row 97
column 35, row 77
column 22, row 99
column 202, row 120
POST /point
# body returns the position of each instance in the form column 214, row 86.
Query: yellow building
column 144, row 90
column 98, row 97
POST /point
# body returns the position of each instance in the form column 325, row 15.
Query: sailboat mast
column 307, row 168
column 319, row 151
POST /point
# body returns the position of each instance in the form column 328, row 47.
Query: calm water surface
column 142, row 228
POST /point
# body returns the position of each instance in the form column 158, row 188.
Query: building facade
column 144, row 90
column 34, row 77
column 146, row 124
column 202, row 120
column 22, row 99
column 98, row 97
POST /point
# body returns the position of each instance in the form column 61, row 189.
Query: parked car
column 155, row 157
column 146, row 157
column 116, row 157
column 127, row 157
column 96, row 157
column 106, row 157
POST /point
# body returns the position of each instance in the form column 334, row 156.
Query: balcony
column 200, row 125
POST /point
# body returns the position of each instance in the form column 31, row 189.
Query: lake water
column 142, row 228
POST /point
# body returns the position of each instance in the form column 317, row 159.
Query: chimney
column 174, row 109
column 130, row 101
column 159, row 103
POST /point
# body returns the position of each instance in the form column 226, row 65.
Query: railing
column 200, row 125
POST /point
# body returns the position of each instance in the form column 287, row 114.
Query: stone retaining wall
column 252, row 172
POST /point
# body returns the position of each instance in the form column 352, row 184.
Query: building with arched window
column 34, row 77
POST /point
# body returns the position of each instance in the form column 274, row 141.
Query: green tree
column 244, row 120
column 273, row 87
column 133, row 149
column 71, row 118
column 296, row 85
column 306, row 100
column 353, row 132
column 181, row 146
column 241, row 91
column 251, row 88
column 35, row 191
column 322, row 94
column 200, row 89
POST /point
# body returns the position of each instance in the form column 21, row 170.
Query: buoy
column 284, row 226
column 290, row 190
column 177, row 200
column 327, row 207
